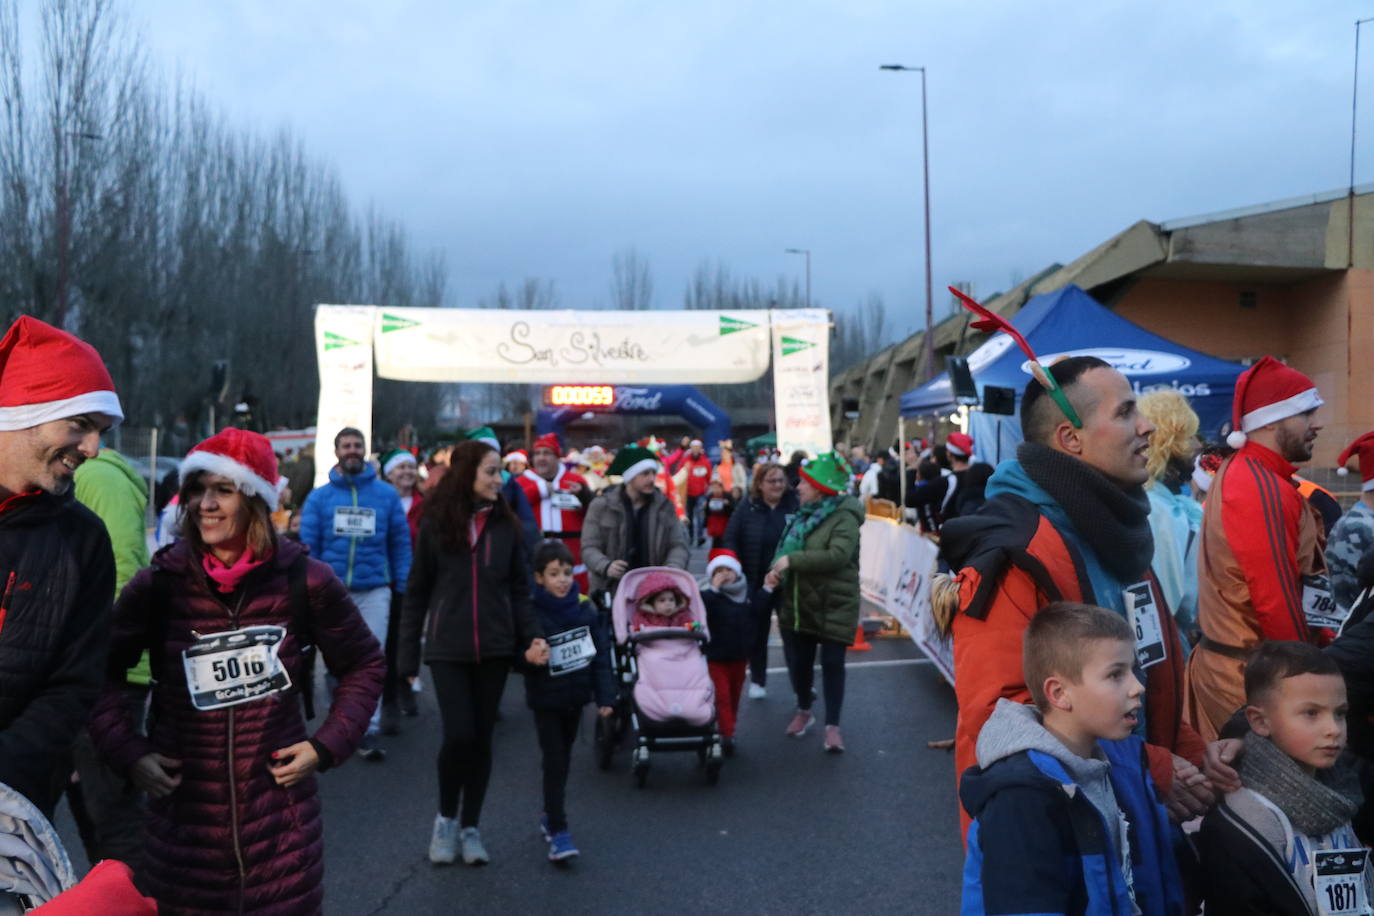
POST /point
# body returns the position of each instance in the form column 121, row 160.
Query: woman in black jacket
column 754, row 531
column 471, row 579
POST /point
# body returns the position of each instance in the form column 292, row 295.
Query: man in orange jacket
column 1261, row 568
column 1068, row 519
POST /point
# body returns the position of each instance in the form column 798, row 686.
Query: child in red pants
column 730, row 616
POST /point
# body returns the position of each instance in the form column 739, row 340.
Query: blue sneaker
column 561, row 847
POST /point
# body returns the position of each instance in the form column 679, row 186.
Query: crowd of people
column 180, row 688
column 1163, row 652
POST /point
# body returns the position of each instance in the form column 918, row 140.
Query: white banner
column 801, row 385
column 895, row 566
column 573, row 347
column 343, row 346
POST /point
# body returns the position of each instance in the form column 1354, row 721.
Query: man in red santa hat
column 1261, row 570
column 559, row 498
column 56, row 399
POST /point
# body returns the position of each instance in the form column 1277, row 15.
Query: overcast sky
column 539, row 138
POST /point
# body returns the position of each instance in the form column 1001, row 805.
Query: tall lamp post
column 925, row 168
column 807, row 252
column 1354, row 98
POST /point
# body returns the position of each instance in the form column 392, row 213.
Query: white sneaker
column 443, row 843
column 757, row 691
column 474, row 853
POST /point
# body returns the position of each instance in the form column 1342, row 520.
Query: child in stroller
column 660, row 625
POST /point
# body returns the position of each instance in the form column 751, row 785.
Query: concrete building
column 1292, row 279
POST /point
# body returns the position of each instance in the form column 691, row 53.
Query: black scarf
column 1114, row 522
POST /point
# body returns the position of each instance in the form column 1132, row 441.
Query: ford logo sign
column 1127, row 362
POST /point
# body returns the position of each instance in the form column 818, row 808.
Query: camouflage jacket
column 1351, row 539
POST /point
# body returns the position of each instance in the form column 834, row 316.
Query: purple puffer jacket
column 241, row 845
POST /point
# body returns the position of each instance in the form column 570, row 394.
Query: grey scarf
column 1113, row 521
column 1314, row 805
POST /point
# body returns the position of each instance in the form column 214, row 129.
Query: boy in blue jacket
column 1066, row 818
column 576, row 671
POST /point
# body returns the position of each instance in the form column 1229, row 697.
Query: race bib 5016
column 238, row 666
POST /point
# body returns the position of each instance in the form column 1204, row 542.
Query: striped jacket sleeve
column 1260, row 516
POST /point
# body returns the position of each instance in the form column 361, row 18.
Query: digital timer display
column 580, row 396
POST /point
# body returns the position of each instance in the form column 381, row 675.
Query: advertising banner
column 801, row 388
column 895, row 567
column 572, row 347
column 343, row 347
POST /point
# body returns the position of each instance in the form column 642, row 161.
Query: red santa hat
column 517, row 455
column 959, row 444
column 47, row 374
column 1266, row 393
column 244, row 457
column 1364, row 448
column 722, row 558
column 548, row 441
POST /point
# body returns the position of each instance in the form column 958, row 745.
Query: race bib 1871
column 1339, row 881
column 238, row 666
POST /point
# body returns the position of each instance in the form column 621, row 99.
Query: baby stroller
column 665, row 684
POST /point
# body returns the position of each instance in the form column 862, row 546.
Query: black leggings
column 801, row 659
column 469, row 695
column 557, row 730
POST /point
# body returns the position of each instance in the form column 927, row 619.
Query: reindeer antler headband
column 991, row 322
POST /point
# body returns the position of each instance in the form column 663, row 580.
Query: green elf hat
column 631, row 461
column 396, row 456
column 827, row 472
column 484, row 434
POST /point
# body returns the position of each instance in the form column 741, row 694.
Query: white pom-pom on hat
column 1237, row 439
column 1342, row 471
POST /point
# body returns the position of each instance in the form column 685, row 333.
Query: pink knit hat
column 654, row 583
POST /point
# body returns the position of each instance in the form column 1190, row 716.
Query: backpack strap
column 302, row 627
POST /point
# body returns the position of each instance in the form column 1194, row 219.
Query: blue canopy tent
column 1069, row 322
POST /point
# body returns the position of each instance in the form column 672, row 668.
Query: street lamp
column 925, row 168
column 807, row 252
column 1354, row 97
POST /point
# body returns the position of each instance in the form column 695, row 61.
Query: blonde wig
column 1175, row 433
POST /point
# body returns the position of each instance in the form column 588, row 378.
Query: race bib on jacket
column 354, row 522
column 240, row 666
column 1319, row 605
column 562, row 499
column 571, row 651
column 698, row 471
column 1144, row 616
column 716, row 505
column 1338, row 878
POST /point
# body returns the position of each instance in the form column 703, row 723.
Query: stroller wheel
column 713, row 771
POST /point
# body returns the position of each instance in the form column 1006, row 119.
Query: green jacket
column 110, row 487
column 820, row 591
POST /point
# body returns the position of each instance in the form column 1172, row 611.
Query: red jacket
column 698, row 474
column 555, row 521
column 228, row 813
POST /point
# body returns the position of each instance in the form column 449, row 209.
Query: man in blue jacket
column 356, row 524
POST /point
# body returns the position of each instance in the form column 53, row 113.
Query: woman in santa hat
column 230, row 615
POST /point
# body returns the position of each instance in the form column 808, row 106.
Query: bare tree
column 632, row 283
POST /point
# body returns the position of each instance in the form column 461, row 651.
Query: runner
column 698, row 468
column 233, row 820
column 56, row 398
column 1261, row 571
column 357, row 525
column 559, row 499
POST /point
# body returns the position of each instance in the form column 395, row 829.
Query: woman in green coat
column 816, row 569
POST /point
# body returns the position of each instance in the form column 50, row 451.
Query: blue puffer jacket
column 361, row 561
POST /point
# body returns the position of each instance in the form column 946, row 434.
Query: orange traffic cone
column 860, row 643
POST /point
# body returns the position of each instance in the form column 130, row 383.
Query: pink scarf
column 227, row 578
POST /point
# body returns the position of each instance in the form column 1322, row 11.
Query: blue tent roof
column 1070, row 322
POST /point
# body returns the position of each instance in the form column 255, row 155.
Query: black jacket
column 754, row 532
column 57, row 572
column 574, row 689
column 477, row 601
column 732, row 623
